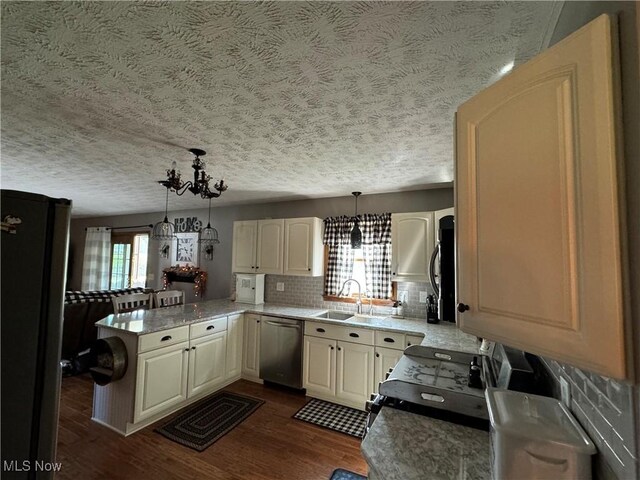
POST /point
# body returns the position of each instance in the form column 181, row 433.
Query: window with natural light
column 129, row 255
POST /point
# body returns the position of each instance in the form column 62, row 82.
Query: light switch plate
column 423, row 297
column 565, row 392
column 280, row 286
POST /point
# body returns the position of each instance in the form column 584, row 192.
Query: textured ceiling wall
column 290, row 99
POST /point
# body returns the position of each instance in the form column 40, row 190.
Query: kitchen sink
column 333, row 315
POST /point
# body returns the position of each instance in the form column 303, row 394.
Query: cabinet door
column 299, row 235
column 538, row 215
column 270, row 248
column 319, row 369
column 354, row 373
column 234, row 345
column 244, row 246
column 161, row 380
column 207, row 363
column 412, row 239
column 386, row 358
column 251, row 347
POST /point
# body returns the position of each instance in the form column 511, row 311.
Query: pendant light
column 209, row 237
column 164, row 231
column 356, row 233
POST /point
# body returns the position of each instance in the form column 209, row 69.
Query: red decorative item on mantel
column 188, row 274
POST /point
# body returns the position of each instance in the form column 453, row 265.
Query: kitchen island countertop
column 444, row 335
column 405, row 446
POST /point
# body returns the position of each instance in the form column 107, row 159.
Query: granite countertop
column 139, row 322
column 405, row 446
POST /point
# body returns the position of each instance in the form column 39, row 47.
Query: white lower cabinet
column 161, row 380
column 354, row 373
column 206, row 363
column 251, row 347
column 340, row 372
column 385, row 358
column 319, row 369
column 234, row 346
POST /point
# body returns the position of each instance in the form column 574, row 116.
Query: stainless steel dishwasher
column 281, row 351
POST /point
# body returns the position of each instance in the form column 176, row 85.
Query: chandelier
column 199, row 185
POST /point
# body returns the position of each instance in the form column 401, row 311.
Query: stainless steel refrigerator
column 34, row 244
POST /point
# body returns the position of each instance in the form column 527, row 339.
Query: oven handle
column 432, row 272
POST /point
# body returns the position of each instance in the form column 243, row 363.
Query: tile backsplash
column 307, row 291
column 606, row 410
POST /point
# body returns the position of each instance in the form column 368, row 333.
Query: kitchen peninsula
column 168, row 348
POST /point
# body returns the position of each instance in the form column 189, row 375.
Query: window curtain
column 376, row 248
column 337, row 236
column 97, row 256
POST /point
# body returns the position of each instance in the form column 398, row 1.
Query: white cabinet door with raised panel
column 354, row 373
column 319, row 367
column 161, row 380
column 251, row 347
column 207, row 363
column 386, row 358
column 235, row 324
column 245, row 234
column 303, row 249
column 538, row 227
column 270, row 248
column 412, row 240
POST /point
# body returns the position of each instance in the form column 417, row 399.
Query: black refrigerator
column 34, row 244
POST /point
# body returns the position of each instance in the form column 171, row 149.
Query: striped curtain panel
column 376, row 248
column 97, row 256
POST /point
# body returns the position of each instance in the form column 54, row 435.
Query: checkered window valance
column 376, row 249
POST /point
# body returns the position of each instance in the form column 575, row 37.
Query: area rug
column 342, row 474
column 335, row 417
column 209, row 420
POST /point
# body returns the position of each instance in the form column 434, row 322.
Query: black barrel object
column 109, row 356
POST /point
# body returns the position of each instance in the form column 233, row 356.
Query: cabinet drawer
column 163, row 338
column 413, row 340
column 323, row 330
column 356, row 335
column 390, row 340
column 208, row 327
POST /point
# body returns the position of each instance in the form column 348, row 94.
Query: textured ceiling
column 289, row 99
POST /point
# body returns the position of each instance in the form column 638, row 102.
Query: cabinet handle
column 462, row 307
column 257, row 267
column 354, row 335
column 210, row 327
column 389, row 340
column 257, row 321
column 320, row 330
column 408, row 344
column 308, row 269
column 193, row 348
column 339, row 348
column 331, row 347
column 165, row 338
column 378, row 355
column 186, row 349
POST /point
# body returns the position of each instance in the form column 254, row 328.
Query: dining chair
column 131, row 302
column 169, row 298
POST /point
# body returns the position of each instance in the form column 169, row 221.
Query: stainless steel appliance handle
column 432, row 273
column 286, row 325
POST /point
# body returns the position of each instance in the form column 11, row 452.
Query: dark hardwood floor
column 267, row 445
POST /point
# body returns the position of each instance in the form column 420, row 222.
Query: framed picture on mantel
column 185, row 249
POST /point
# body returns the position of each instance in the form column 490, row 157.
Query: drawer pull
column 320, row 330
column 354, row 335
column 377, row 355
column 389, row 340
column 210, row 327
column 165, row 338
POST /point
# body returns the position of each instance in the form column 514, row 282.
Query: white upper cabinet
column 538, row 206
column 245, row 234
column 303, row 250
column 270, row 246
column 412, row 240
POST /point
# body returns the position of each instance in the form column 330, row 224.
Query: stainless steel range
column 449, row 385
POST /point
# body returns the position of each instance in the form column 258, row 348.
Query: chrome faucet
column 359, row 301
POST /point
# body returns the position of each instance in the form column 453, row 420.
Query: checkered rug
column 335, row 417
